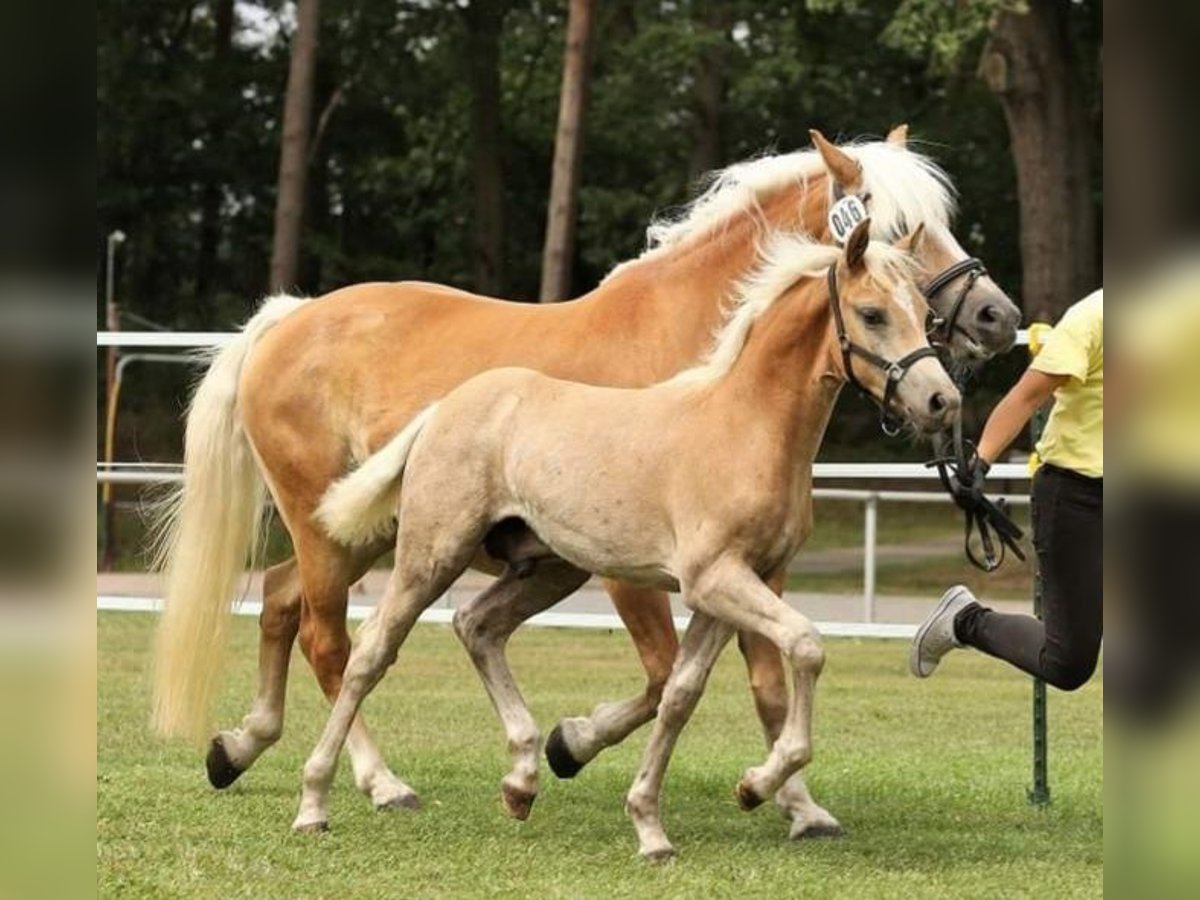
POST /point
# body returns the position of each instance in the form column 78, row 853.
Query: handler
column 1068, row 499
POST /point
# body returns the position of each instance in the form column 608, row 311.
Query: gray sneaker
column 935, row 638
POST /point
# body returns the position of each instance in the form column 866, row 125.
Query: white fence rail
column 167, row 473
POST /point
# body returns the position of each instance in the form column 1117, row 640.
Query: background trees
column 430, row 140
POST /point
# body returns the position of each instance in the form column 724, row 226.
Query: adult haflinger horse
column 702, row 484
column 311, row 387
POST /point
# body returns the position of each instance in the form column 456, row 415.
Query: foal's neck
column 788, row 373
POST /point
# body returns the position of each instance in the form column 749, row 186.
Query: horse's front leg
column 732, row 592
column 702, row 644
column 646, row 614
column 484, row 625
column 768, row 683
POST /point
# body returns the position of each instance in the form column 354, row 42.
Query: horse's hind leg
column 232, row 752
column 647, row 615
column 380, row 637
column 327, row 570
column 484, row 625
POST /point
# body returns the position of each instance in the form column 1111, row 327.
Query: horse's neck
column 671, row 302
column 786, row 374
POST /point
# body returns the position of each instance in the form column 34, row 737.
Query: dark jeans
column 1068, row 533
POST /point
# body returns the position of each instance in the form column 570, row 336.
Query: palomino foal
column 701, row 484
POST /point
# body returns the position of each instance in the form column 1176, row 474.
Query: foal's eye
column 873, row 317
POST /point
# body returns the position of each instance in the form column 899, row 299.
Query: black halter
column 941, row 328
column 895, row 370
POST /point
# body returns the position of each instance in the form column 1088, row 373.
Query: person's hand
column 966, row 482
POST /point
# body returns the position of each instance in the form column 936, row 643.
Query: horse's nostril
column 989, row 315
column 937, row 403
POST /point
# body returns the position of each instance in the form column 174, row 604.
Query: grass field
column 929, row 779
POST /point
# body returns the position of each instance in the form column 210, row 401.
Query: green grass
column 929, row 779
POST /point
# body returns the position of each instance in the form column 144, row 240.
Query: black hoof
column 747, row 798
column 820, row 831
column 562, row 763
column 221, row 770
column 660, row 856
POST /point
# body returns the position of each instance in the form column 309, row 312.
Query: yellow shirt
column 1074, row 434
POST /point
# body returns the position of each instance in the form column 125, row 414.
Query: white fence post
column 870, row 526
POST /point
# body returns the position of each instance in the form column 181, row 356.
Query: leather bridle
column 940, row 329
column 894, row 370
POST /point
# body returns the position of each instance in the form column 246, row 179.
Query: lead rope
column 989, row 518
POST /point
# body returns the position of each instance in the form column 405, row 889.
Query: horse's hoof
column 221, row 770
column 517, row 803
column 818, row 830
column 403, row 801
column 747, row 797
column 562, row 763
column 659, row 855
column 319, row 827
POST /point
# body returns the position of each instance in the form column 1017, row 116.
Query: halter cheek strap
column 894, row 370
column 941, row 329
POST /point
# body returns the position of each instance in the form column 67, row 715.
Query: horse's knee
column 473, row 630
column 806, row 653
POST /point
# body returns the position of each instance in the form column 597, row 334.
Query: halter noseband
column 941, row 329
column 894, row 370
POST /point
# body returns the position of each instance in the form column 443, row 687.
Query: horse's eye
column 873, row 317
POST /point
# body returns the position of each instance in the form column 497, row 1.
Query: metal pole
column 112, row 320
column 870, row 526
column 1039, row 793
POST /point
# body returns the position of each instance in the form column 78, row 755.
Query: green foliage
column 391, row 193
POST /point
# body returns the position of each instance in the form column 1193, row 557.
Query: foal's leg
column 484, row 625
column 379, row 639
column 768, row 683
column 327, row 570
column 702, row 644
column 647, row 615
column 232, row 752
column 735, row 594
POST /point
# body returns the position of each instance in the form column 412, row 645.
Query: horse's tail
column 358, row 508
column 205, row 532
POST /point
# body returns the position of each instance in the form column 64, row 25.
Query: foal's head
column 879, row 323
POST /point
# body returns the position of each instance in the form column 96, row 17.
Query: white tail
column 359, row 508
column 207, row 530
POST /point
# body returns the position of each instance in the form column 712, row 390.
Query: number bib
column 844, row 217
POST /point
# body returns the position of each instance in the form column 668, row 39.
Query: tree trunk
column 1027, row 63
column 484, row 23
column 293, row 151
column 564, row 185
column 210, row 198
column 710, row 89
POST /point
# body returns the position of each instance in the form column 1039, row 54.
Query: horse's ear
column 845, row 169
column 899, row 135
column 911, row 242
column 856, row 244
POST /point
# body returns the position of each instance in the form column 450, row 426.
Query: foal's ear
column 899, row 135
column 856, row 244
column 845, row 169
column 911, row 242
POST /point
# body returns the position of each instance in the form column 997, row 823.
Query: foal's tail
column 205, row 532
column 358, row 508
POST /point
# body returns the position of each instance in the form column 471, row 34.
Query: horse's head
column 879, row 322
column 971, row 315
